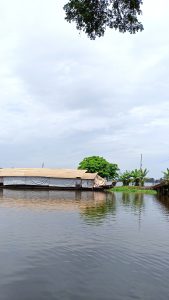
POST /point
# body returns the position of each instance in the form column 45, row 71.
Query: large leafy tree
column 94, row 16
column 97, row 164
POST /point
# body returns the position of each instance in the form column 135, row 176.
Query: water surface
column 83, row 245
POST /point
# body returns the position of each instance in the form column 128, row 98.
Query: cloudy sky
column 64, row 97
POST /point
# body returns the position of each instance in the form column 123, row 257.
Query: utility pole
column 43, row 165
column 141, row 162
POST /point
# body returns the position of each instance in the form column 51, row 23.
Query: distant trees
column 97, row 164
column 137, row 177
column 94, row 16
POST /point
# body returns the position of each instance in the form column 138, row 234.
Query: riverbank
column 133, row 189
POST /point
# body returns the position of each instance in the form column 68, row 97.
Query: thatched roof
column 44, row 172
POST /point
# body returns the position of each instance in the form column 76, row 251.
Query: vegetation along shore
column 133, row 189
column 133, row 181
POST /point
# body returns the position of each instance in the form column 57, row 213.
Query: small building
column 50, row 178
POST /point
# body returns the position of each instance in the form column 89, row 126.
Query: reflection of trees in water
column 164, row 201
column 100, row 209
column 133, row 200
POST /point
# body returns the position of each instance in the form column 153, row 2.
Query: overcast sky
column 64, row 97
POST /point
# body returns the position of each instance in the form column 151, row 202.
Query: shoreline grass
column 133, row 189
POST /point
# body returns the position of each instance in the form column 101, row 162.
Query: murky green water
column 83, row 246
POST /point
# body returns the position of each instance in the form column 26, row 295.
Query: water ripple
column 94, row 246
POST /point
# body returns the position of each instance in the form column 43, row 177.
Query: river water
column 83, row 246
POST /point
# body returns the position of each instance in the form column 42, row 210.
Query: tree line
column 111, row 171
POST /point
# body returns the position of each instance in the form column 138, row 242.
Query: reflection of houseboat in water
column 54, row 200
column 43, row 178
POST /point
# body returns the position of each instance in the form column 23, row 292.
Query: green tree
column 94, row 16
column 143, row 176
column 125, row 178
column 97, row 164
column 139, row 176
column 166, row 174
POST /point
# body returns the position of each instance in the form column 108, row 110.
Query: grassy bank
column 133, row 189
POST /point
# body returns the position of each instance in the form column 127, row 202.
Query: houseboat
column 50, row 178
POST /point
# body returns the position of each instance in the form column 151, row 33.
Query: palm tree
column 125, row 178
column 143, row 177
column 136, row 177
column 139, row 176
column 166, row 174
